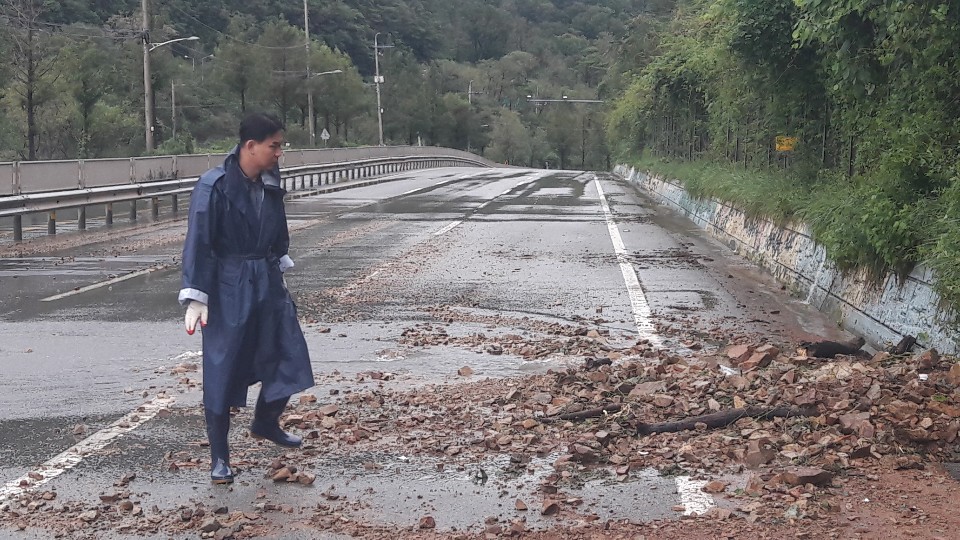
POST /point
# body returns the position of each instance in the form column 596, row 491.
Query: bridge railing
column 48, row 186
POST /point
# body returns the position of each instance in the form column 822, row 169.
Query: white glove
column 196, row 312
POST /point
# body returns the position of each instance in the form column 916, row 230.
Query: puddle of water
column 405, row 490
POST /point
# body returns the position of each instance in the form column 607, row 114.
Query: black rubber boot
column 266, row 423
column 218, row 426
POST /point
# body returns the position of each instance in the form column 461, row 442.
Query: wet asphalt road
column 371, row 261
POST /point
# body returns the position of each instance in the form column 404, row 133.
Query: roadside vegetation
column 455, row 74
column 864, row 95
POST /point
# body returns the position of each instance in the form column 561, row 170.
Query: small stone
column 210, row 525
column 663, row 400
column 465, row 371
column 427, row 522
column 715, row 486
column 520, row 505
column 283, row 474
column 89, row 516
column 329, row 410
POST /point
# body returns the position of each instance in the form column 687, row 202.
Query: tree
column 236, row 56
column 284, row 47
column 510, row 141
column 33, row 59
column 562, row 136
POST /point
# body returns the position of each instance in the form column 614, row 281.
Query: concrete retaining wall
column 881, row 313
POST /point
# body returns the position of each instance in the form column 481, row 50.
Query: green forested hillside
column 868, row 90
column 456, row 74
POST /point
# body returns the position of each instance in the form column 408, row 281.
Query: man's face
column 266, row 154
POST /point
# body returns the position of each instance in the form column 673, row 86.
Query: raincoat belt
column 251, row 257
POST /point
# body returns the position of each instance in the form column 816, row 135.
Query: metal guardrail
column 49, row 186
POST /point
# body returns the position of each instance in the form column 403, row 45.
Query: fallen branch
column 829, row 349
column 584, row 415
column 725, row 418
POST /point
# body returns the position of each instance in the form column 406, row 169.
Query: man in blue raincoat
column 234, row 257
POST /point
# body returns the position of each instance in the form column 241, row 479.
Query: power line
column 228, row 36
column 68, row 30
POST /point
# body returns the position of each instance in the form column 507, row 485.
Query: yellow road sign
column 785, row 143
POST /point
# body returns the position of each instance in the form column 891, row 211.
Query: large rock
column 802, row 476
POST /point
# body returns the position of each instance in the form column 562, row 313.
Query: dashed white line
column 451, row 226
column 638, row 300
column 447, row 228
column 72, row 456
column 106, row 283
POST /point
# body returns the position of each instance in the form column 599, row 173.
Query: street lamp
column 162, row 43
column 210, row 56
column 313, row 128
column 147, row 83
column 378, row 80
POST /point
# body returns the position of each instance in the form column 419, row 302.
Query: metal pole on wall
column 147, row 85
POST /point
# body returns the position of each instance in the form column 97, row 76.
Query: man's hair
column 258, row 126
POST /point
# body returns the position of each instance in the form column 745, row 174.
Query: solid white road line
column 107, row 283
column 638, row 300
column 692, row 497
column 72, row 456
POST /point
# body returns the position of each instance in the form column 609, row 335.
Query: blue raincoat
column 233, row 261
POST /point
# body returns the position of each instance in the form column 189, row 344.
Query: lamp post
column 210, row 56
column 147, row 83
column 313, row 128
column 378, row 80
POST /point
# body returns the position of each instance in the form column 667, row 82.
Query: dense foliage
column 456, row 74
column 870, row 91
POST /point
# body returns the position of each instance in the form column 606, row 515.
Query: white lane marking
column 451, row 226
column 638, row 300
column 72, row 456
column 447, row 228
column 107, row 283
column 692, row 497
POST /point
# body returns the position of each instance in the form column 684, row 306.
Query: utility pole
column 147, row 86
column 470, row 93
column 376, row 79
column 306, row 30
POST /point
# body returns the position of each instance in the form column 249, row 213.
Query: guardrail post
column 173, row 202
column 52, row 223
column 133, row 210
column 16, row 177
column 82, row 218
column 155, row 207
column 18, row 228
column 108, row 214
